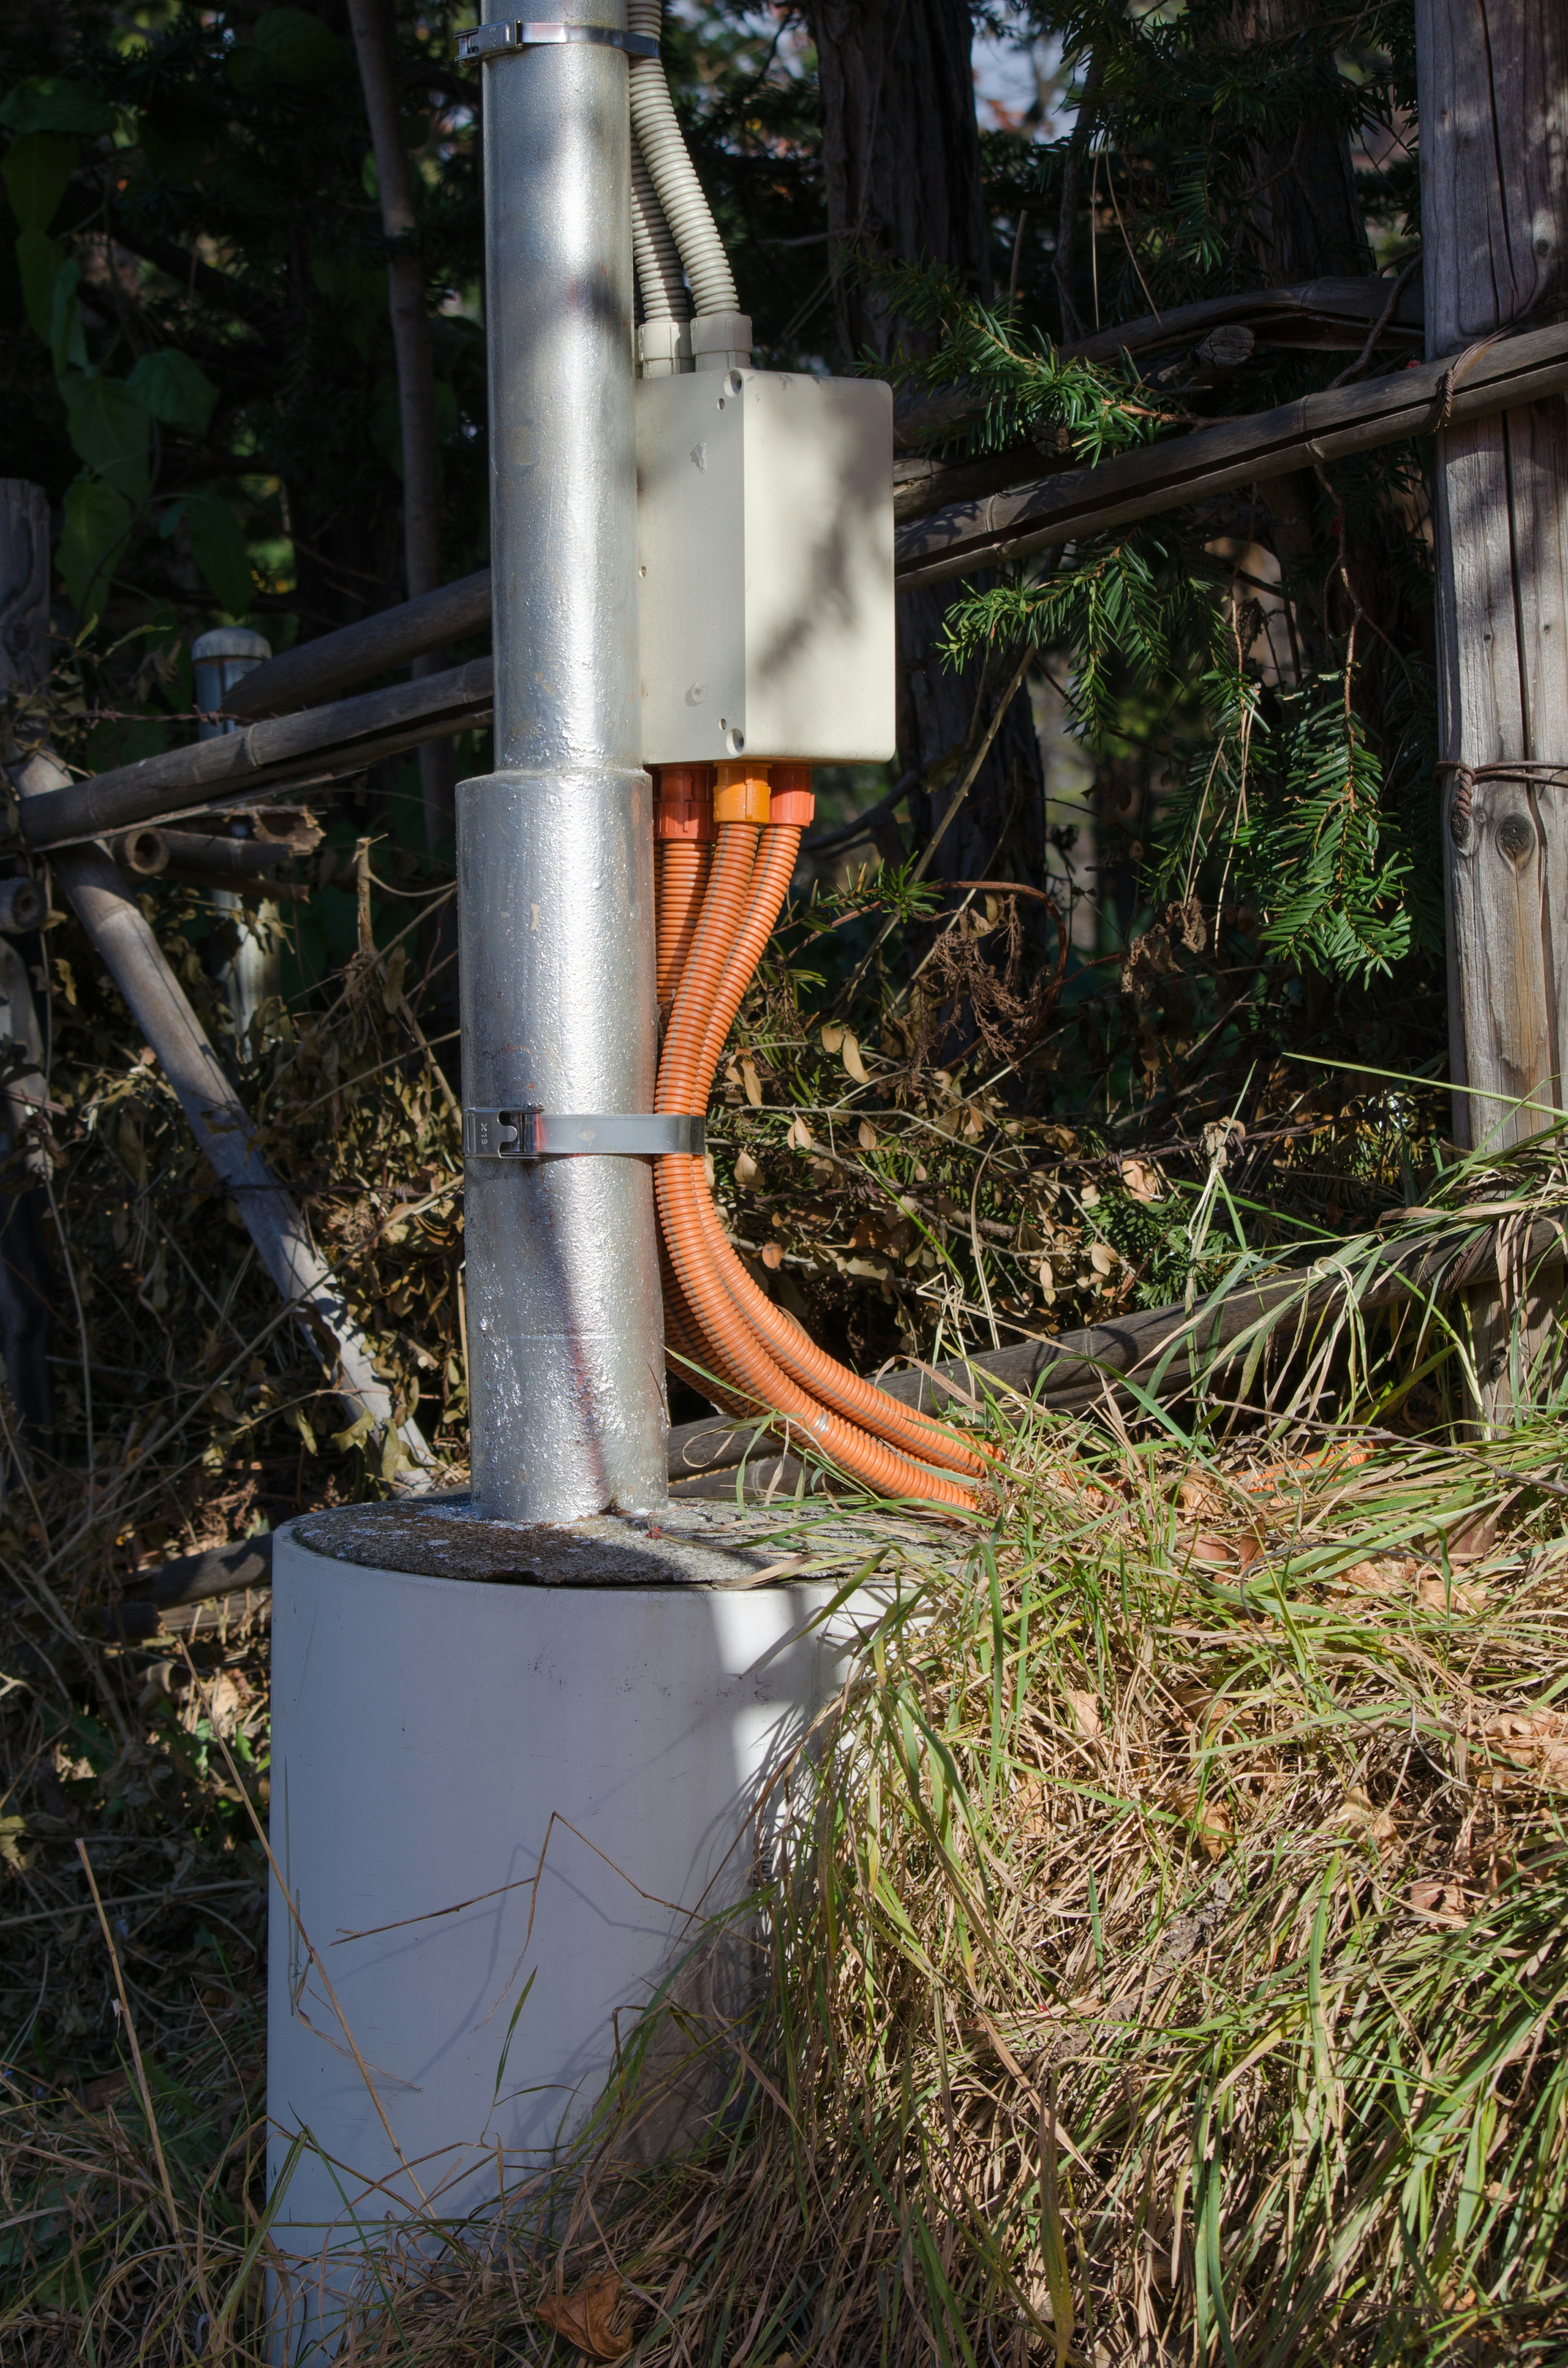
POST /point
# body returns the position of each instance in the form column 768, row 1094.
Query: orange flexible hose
column 845, row 1391
column 680, row 883
column 777, row 855
column 718, row 925
column 679, row 1183
column 727, row 1307
column 840, row 1389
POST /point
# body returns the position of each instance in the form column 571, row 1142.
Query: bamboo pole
column 954, row 539
column 221, row 1123
column 341, row 738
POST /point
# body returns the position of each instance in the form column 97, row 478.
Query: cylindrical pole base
column 504, row 1815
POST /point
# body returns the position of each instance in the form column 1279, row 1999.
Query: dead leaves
column 1086, row 1710
column 1436, row 1901
column 1536, row 1740
column 840, row 1040
column 1405, row 1578
column 597, row 2317
column 1210, row 1820
column 1141, row 1179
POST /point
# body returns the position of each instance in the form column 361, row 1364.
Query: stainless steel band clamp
column 548, row 1134
column 506, row 40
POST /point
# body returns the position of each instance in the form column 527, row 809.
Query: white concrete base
column 448, row 1759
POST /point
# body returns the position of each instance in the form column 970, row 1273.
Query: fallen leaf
column 745, row 1169
column 832, row 1038
column 867, row 1138
column 1212, row 1821
column 1141, row 1180
column 1442, row 1596
column 597, row 2317
column 849, row 1054
column 1196, row 1496
column 1537, row 1740
column 1206, row 1548
column 1090, row 1198
column 13, row 1831
column 1438, row 1903
column 1359, row 1811
column 1381, row 1576
column 96, row 2094
column 1086, row 1710
column 751, row 1081
column 1102, row 1257
column 800, row 1135
column 772, row 1257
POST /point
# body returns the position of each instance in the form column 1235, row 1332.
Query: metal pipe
column 555, row 847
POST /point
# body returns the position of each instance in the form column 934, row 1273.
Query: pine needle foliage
column 1027, row 387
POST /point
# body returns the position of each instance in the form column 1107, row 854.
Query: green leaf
column 97, row 521
column 298, row 45
column 173, row 389
column 218, row 547
column 110, row 430
column 38, row 172
column 50, row 103
column 38, row 263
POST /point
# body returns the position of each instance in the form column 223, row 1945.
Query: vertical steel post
column 555, row 847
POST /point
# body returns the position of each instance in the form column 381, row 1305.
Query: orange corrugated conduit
column 683, row 832
column 717, row 1314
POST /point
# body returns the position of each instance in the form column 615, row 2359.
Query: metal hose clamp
column 488, row 42
column 531, row 1133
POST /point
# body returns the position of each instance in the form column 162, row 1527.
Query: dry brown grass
column 1167, row 1966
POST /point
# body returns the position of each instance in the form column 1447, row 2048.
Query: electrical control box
column 765, row 553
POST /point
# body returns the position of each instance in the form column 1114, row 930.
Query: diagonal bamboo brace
column 220, row 1121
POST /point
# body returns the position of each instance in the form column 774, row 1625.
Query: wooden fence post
column 1494, row 116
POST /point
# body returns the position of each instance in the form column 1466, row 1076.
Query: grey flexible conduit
column 678, row 190
column 659, row 281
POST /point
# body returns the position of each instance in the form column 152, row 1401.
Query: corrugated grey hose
column 659, row 281
column 675, row 185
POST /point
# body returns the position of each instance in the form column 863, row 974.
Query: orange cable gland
column 742, row 795
column 793, row 801
column 683, row 802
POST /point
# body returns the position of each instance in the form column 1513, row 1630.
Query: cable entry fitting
column 489, row 41
column 529, row 1133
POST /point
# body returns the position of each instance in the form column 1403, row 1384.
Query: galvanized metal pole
column 555, row 847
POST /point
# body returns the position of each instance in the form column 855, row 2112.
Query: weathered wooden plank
column 1493, row 102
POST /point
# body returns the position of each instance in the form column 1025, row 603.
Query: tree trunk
column 373, row 29
column 1306, row 216
column 900, row 153
column 1494, row 109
